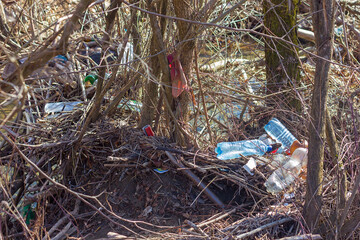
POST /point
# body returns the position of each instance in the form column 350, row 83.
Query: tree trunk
column 323, row 22
column 187, row 47
column 187, row 35
column 150, row 93
column 110, row 20
column 282, row 64
column 160, row 63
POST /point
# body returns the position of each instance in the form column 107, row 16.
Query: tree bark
column 160, row 63
column 334, row 151
column 110, row 20
column 187, row 36
column 150, row 93
column 187, row 46
column 323, row 22
column 282, row 64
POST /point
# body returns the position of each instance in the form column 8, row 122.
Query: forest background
column 198, row 73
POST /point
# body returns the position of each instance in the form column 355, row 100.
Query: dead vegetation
column 70, row 174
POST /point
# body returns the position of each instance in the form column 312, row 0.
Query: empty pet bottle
column 280, row 134
column 286, row 174
column 231, row 150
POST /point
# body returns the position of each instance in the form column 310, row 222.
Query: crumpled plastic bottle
column 282, row 177
column 231, row 150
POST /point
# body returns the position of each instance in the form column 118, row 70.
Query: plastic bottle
column 266, row 139
column 285, row 175
column 279, row 132
column 231, row 150
column 92, row 78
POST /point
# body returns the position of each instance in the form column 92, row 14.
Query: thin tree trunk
column 151, row 88
column 187, row 36
column 158, row 46
column 282, row 64
column 110, row 20
column 334, row 150
column 323, row 22
column 187, row 47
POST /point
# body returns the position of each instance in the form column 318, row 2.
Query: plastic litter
column 275, row 161
column 159, row 170
column 91, row 78
column 61, row 58
column 280, row 134
column 131, row 105
column 58, row 107
column 250, row 165
column 28, row 213
column 128, row 53
column 265, row 138
column 285, row 175
column 231, row 150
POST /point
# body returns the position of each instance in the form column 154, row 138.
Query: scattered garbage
column 148, row 131
column 195, row 179
column 147, row 211
column 254, row 85
column 275, row 161
column 231, row 150
column 160, row 170
column 250, row 165
column 28, row 212
column 92, row 77
column 285, row 175
column 281, row 134
column 287, row 168
column 130, row 105
column 265, row 138
column 178, row 78
column 58, row 107
column 128, row 53
column 339, row 31
column 91, row 53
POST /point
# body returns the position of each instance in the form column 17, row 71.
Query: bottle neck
column 273, row 147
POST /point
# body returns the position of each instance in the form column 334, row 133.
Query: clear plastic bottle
column 280, row 133
column 266, row 139
column 282, row 177
column 231, row 150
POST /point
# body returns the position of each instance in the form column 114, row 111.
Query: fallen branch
column 212, row 220
column 196, row 180
column 259, row 229
column 195, row 227
column 61, row 221
column 303, row 237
